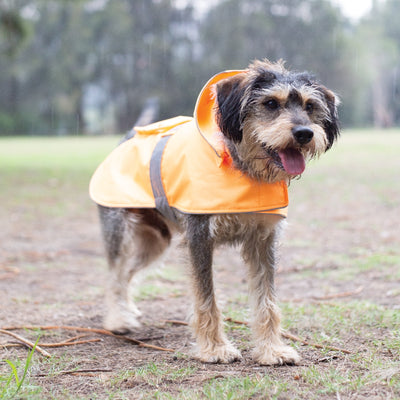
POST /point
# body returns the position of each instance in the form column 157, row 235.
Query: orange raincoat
column 195, row 170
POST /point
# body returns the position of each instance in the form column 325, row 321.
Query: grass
column 155, row 284
column 331, row 322
column 374, row 364
column 12, row 386
column 49, row 176
column 238, row 388
column 54, row 154
column 356, row 160
column 44, row 173
column 341, row 267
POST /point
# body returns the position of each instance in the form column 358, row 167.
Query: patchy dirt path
column 341, row 245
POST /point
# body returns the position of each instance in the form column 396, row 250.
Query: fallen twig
column 290, row 336
column 68, row 342
column 145, row 339
column 176, row 322
column 91, row 330
column 85, row 372
column 62, row 344
column 339, row 295
column 26, row 342
column 302, row 268
column 12, row 344
column 228, row 319
column 74, row 338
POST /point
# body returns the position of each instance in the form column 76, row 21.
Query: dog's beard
column 267, row 164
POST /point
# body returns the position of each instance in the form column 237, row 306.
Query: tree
column 378, row 51
column 143, row 50
column 307, row 34
column 390, row 21
column 13, row 30
column 90, row 65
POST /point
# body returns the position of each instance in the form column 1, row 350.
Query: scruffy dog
column 271, row 121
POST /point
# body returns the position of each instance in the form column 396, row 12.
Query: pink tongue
column 293, row 161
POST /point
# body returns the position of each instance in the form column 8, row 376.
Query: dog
column 269, row 122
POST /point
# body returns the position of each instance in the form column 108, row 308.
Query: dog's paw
column 121, row 322
column 276, row 355
column 223, row 354
column 133, row 309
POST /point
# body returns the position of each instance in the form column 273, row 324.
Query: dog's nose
column 302, row 134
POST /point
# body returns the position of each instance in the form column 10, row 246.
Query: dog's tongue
column 292, row 161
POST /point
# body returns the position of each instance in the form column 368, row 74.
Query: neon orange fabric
column 196, row 169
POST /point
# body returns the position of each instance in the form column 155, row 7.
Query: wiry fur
column 254, row 129
column 254, row 132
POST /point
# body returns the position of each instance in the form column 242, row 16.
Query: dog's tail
column 148, row 115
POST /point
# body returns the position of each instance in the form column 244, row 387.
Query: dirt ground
column 52, row 272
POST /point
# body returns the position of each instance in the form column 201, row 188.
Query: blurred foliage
column 13, row 31
column 88, row 66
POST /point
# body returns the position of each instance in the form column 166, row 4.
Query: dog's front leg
column 213, row 345
column 259, row 253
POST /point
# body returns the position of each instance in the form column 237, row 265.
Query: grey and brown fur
column 259, row 113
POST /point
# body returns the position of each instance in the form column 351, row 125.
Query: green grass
column 373, row 362
column 57, row 154
column 16, row 384
column 155, row 283
column 342, row 267
column 338, row 322
column 49, row 175
column 356, row 160
column 238, row 388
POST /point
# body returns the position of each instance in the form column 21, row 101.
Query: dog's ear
column 331, row 123
column 229, row 94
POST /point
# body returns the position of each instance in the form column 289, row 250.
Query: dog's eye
column 309, row 107
column 272, row 104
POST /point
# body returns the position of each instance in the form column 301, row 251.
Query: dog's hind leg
column 213, row 346
column 133, row 240
column 259, row 253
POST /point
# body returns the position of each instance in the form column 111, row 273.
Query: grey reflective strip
column 156, row 181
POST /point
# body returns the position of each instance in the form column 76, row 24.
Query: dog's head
column 274, row 120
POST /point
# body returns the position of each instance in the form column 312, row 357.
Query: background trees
column 90, row 65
